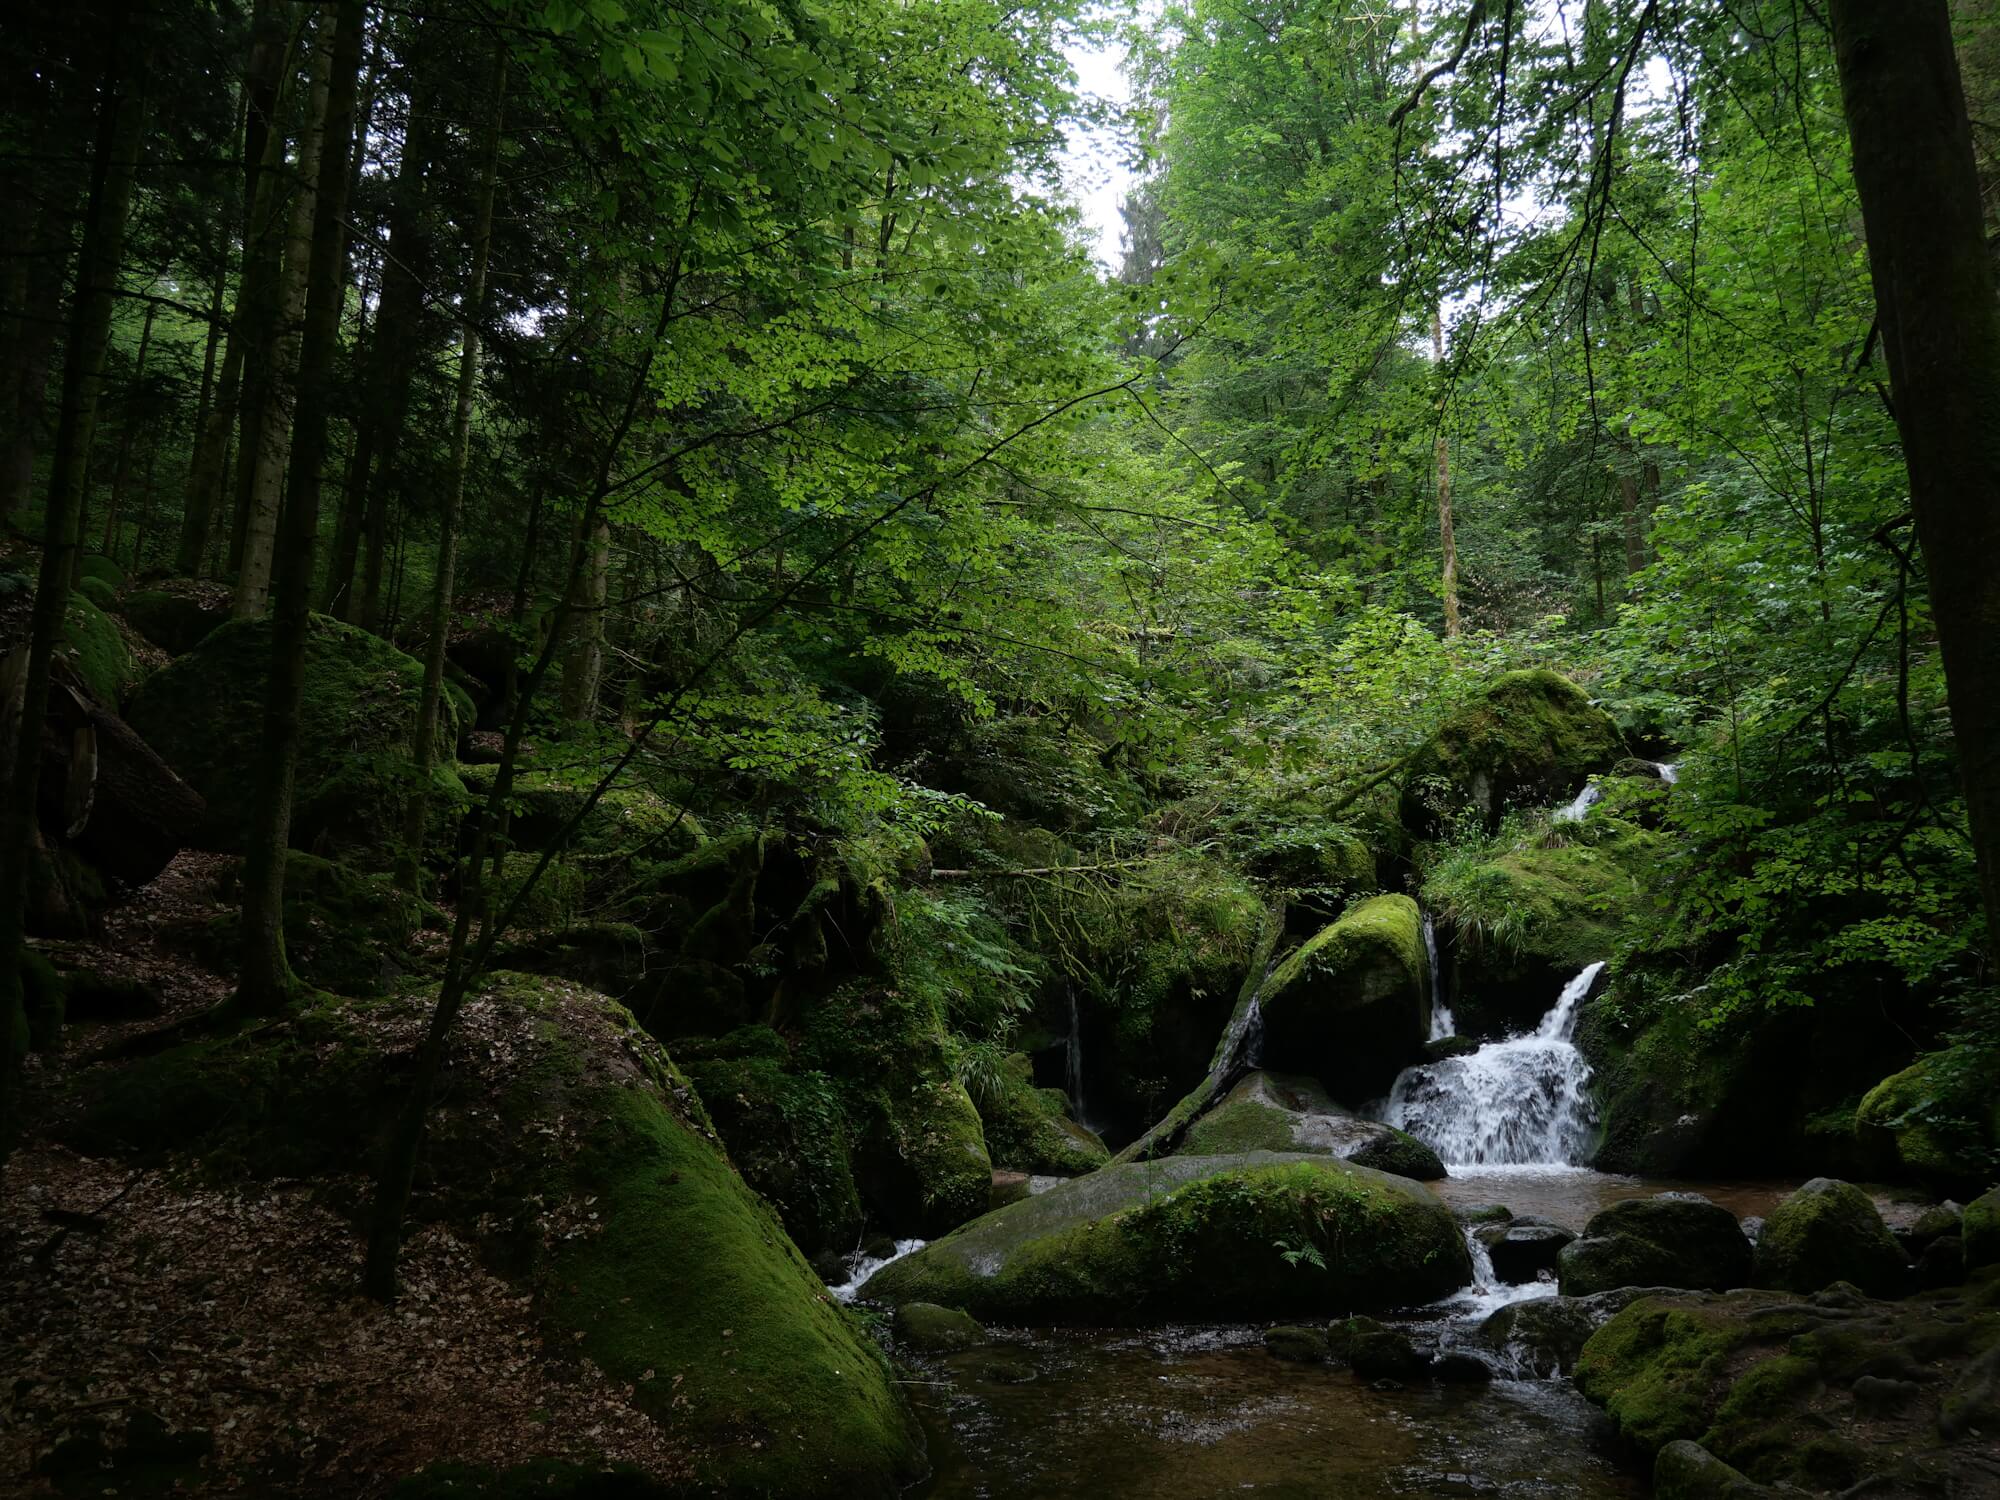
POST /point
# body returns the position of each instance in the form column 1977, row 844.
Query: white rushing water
column 1670, row 771
column 1442, row 1024
column 861, row 1267
column 1586, row 799
column 1520, row 1102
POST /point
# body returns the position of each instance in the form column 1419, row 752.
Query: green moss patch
column 96, row 651
column 1030, row 1130
column 204, row 713
column 1350, row 1005
column 1257, row 1235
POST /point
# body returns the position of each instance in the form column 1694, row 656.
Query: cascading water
column 1073, row 1058
column 1521, row 1102
column 1670, row 771
column 1586, row 799
column 1442, row 1024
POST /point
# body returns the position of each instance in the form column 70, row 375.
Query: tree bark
column 280, row 392
column 1635, row 524
column 583, row 668
column 40, row 315
column 1447, row 538
column 120, row 127
column 423, row 749
column 1934, row 295
column 267, row 983
column 121, row 473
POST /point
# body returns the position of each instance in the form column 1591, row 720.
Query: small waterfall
column 1586, row 799
column 1670, row 771
column 1442, row 1024
column 1073, row 1058
column 860, row 1267
column 1520, row 1102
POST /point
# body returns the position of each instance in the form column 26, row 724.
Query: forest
column 693, row 809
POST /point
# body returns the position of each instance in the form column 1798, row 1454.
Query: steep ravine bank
column 728, row 1046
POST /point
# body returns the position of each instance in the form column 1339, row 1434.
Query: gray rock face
column 1257, row 1235
column 1688, row 1471
column 1673, row 1239
column 1288, row 1112
column 1524, row 1248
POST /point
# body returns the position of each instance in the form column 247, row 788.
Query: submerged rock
column 1545, row 1335
column 1688, row 1471
column 1825, row 1232
column 1673, row 1239
column 1288, row 1112
column 1531, row 740
column 1258, row 1235
column 930, row 1329
column 1351, row 1005
column 1297, row 1343
column 1522, row 1249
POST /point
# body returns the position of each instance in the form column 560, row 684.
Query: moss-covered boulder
column 1351, row 1005
column 568, row 1148
column 545, row 801
column 1833, row 1394
column 1286, row 1112
column 1980, row 1230
column 177, row 615
column 346, row 930
column 205, row 713
column 1672, row 1239
column 1526, row 916
column 1037, row 770
column 1825, row 1232
column 1541, row 1337
column 1531, row 740
column 95, row 651
column 1029, row 1129
column 786, row 1132
column 98, row 592
column 1260, row 1235
column 920, row 1157
column 1688, row 1471
column 1936, row 1122
column 930, row 1329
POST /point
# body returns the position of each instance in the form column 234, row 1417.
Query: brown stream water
column 1181, row 1413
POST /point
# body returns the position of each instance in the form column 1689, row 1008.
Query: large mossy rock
column 1260, row 1235
column 578, row 1160
column 1036, row 770
column 920, row 1157
column 1825, row 1232
column 205, row 713
column 786, row 1132
column 1531, row 740
column 1672, row 1239
column 1030, row 1130
column 1526, row 919
column 1936, row 1122
column 1980, row 1229
column 346, row 930
column 178, row 614
column 1286, row 1112
column 94, row 649
column 1544, row 1336
column 1351, row 1005
column 1834, row 1394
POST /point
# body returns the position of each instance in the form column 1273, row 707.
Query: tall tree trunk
column 1934, row 294
column 1635, row 523
column 267, row 478
column 583, row 668
column 423, row 749
column 29, row 354
column 114, row 163
column 392, row 364
column 209, row 467
column 1447, row 539
column 264, row 200
column 266, row 982
column 121, row 474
